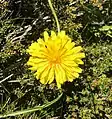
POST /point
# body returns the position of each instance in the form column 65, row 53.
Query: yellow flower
column 55, row 57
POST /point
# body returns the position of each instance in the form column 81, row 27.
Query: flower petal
column 78, row 61
column 77, row 69
column 46, row 36
column 53, row 34
column 51, row 75
column 77, row 49
column 57, row 76
column 79, row 55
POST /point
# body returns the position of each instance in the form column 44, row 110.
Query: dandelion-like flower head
column 55, row 58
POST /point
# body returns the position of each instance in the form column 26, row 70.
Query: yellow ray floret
column 55, row 58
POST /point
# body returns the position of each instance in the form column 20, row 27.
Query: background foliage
column 88, row 23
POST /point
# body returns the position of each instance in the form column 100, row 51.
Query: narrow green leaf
column 37, row 108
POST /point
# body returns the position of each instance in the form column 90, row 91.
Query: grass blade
column 37, row 108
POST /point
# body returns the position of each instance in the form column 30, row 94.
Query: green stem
column 54, row 13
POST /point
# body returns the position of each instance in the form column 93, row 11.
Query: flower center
column 54, row 58
column 53, row 53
